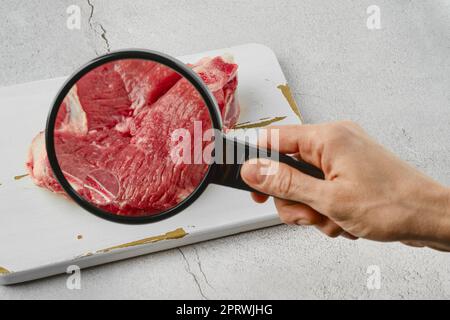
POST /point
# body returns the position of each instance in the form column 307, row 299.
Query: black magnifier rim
column 150, row 55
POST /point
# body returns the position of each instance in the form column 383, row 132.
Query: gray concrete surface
column 394, row 81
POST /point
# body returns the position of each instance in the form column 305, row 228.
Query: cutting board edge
column 98, row 259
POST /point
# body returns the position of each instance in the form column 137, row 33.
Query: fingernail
column 250, row 172
column 303, row 222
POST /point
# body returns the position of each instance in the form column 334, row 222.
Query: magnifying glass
column 137, row 136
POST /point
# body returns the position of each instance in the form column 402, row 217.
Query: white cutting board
column 41, row 234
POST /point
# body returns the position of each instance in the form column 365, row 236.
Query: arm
column 368, row 192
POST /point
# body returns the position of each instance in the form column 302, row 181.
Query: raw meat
column 113, row 136
column 145, row 81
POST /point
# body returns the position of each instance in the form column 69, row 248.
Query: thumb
column 283, row 182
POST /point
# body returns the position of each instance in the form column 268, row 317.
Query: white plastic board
column 42, row 233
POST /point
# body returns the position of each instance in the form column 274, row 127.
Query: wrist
column 434, row 218
column 444, row 221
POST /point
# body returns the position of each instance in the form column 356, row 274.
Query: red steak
column 113, row 136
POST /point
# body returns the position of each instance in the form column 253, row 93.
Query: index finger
column 300, row 139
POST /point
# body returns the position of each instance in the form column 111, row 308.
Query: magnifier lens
column 130, row 138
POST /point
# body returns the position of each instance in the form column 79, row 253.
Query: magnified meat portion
column 145, row 81
column 114, row 134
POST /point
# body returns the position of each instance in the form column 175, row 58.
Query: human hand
column 367, row 193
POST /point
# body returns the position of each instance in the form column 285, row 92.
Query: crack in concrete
column 103, row 35
column 91, row 13
column 95, row 26
column 199, row 263
column 189, row 270
column 407, row 136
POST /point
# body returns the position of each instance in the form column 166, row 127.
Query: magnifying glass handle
column 235, row 154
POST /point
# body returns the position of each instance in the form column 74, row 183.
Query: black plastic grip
column 235, row 154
